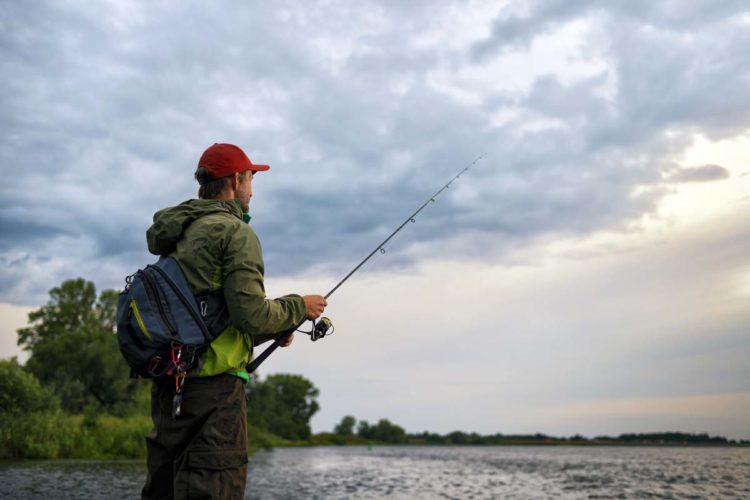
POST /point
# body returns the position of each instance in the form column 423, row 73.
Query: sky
column 588, row 275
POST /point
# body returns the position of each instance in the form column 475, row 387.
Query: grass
column 56, row 435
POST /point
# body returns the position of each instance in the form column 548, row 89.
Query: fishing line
column 321, row 328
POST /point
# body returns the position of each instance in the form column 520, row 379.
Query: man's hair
column 211, row 188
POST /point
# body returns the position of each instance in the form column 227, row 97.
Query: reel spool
column 321, row 328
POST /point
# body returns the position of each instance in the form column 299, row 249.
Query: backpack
column 162, row 328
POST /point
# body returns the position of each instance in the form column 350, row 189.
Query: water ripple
column 414, row 473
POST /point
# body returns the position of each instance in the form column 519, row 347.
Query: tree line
column 386, row 432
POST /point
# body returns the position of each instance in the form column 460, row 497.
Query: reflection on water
column 426, row 473
column 493, row 472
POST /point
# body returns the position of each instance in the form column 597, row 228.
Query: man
column 203, row 452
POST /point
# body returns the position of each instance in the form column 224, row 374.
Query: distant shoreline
column 252, row 450
column 546, row 445
column 461, row 439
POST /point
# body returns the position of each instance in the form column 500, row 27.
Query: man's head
column 225, row 172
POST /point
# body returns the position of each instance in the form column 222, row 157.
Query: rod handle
column 255, row 363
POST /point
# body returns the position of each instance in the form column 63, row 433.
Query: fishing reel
column 321, row 328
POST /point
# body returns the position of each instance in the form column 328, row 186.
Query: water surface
column 425, row 473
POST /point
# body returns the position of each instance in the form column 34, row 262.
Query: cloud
column 705, row 173
column 517, row 24
column 363, row 113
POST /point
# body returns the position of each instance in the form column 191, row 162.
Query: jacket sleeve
column 249, row 309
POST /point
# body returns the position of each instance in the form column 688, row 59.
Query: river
column 402, row 472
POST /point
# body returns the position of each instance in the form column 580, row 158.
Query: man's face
column 244, row 189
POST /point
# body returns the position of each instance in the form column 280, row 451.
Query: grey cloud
column 512, row 28
column 705, row 173
column 28, row 231
column 106, row 115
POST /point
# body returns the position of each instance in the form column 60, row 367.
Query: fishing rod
column 324, row 326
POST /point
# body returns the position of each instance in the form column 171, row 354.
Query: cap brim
column 260, row 168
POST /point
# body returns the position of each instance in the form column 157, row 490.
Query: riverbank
column 458, row 438
column 56, row 435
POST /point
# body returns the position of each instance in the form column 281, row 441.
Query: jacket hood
column 170, row 223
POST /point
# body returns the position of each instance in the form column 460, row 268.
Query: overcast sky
column 589, row 275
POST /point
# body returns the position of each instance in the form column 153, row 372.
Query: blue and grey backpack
column 162, row 328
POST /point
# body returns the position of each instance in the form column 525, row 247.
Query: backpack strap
column 214, row 311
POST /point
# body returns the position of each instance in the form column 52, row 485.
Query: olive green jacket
column 217, row 249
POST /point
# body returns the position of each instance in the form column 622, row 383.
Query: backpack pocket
column 139, row 320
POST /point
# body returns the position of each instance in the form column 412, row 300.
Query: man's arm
column 251, row 312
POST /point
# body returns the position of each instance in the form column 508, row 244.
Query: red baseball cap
column 226, row 159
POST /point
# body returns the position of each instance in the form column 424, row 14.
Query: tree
column 364, row 430
column 383, row 431
column 21, row 393
column 388, row 432
column 346, row 426
column 74, row 350
column 283, row 405
column 457, row 437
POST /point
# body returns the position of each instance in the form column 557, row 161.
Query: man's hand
column 315, row 305
column 288, row 341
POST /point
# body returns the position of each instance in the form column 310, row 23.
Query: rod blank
column 412, row 218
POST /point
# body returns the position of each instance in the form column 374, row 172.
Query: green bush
column 56, row 435
column 28, row 436
column 258, row 438
column 124, row 437
column 21, row 392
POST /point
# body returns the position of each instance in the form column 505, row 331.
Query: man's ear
column 235, row 181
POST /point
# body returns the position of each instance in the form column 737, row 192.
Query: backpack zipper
column 139, row 319
column 190, row 307
column 153, row 291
